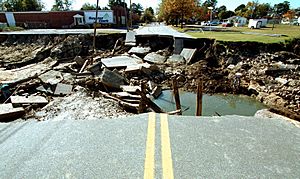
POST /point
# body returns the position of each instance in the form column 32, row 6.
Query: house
column 238, row 21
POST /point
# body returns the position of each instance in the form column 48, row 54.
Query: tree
column 113, row 3
column 88, row 6
column 62, row 5
column 148, row 15
column 290, row 14
column 182, row 9
column 262, row 10
column 282, row 8
column 22, row 5
column 226, row 14
column 137, row 8
column 210, row 3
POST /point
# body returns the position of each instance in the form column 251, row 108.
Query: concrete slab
column 176, row 59
column 63, row 89
column 137, row 68
column 188, row 54
column 51, row 77
column 120, row 62
column 155, row 58
column 11, row 76
column 139, row 50
column 9, row 113
column 111, row 79
column 130, row 38
column 130, row 89
column 19, row 100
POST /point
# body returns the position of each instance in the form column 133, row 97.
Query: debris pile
column 63, row 79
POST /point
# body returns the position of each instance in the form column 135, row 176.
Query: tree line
column 175, row 11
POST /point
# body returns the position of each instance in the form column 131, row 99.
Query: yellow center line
column 150, row 148
column 167, row 163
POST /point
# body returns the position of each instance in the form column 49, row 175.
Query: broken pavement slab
column 188, row 54
column 96, row 68
column 63, row 89
column 139, row 50
column 130, row 38
column 130, row 89
column 120, row 62
column 9, row 113
column 29, row 71
column 51, row 77
column 111, row 79
column 79, row 60
column 176, row 59
column 155, row 58
column 20, row 100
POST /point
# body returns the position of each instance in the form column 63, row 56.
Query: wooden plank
column 130, row 89
column 176, row 95
column 150, row 103
column 126, row 95
column 199, row 98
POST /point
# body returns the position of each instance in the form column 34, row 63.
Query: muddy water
column 212, row 104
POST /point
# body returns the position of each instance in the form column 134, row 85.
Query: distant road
column 160, row 29
column 62, row 31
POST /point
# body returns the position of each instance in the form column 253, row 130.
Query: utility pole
column 130, row 14
column 210, row 8
column 126, row 18
column 95, row 28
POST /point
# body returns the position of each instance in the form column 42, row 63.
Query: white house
column 238, row 21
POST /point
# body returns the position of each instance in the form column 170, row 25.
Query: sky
column 230, row 4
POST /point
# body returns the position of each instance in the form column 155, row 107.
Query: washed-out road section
column 183, row 147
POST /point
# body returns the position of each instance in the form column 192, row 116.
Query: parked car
column 227, row 24
column 213, row 23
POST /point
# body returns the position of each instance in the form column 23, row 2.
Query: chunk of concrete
column 139, row 50
column 120, row 62
column 155, row 58
column 130, row 89
column 96, row 68
column 176, row 59
column 20, row 100
column 130, row 38
column 188, row 54
column 111, row 79
column 63, row 89
column 51, row 77
column 79, row 60
column 29, row 71
column 43, row 89
column 137, row 68
column 9, row 113
column 281, row 80
column 156, row 92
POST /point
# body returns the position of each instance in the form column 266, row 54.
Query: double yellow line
column 167, row 163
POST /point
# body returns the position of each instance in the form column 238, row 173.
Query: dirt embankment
column 268, row 72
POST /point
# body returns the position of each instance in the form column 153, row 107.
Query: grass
column 235, row 34
column 10, row 29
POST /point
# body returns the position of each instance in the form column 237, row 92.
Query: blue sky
column 230, row 4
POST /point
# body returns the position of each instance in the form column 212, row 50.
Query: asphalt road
column 151, row 146
column 161, row 29
column 62, row 31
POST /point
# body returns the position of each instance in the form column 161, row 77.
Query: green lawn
column 235, row 34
